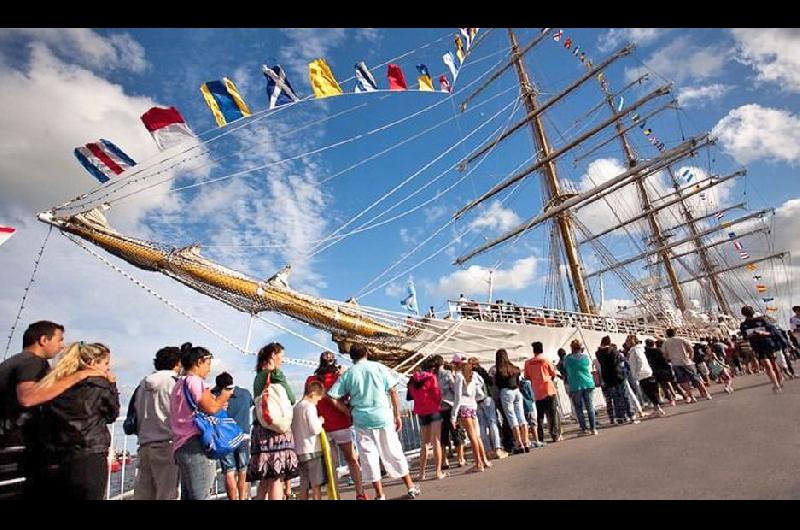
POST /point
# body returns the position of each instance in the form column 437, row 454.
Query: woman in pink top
column 195, row 468
column 423, row 388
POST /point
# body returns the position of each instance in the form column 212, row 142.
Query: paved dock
column 740, row 446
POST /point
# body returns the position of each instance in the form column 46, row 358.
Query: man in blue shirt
column 370, row 385
column 234, row 464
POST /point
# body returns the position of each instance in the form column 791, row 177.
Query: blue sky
column 67, row 87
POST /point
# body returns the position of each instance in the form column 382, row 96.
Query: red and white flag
column 5, row 233
column 444, row 84
column 166, row 126
column 737, row 245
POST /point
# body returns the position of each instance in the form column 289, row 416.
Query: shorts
column 762, row 355
column 312, row 472
column 466, row 412
column 238, row 460
column 686, row 374
column 702, row 368
column 341, row 436
column 427, row 419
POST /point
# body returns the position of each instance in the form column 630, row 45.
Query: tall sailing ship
column 682, row 245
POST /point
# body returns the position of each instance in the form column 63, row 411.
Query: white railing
column 555, row 318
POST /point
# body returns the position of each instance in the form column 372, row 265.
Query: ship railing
column 558, row 318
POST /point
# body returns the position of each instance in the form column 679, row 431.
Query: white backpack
column 273, row 408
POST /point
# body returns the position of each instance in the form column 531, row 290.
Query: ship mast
column 658, row 236
column 702, row 251
column 555, row 194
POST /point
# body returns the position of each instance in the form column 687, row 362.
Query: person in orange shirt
column 541, row 372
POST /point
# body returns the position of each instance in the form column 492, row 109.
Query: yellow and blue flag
column 425, row 81
column 224, row 100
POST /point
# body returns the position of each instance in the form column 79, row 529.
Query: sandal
column 443, row 475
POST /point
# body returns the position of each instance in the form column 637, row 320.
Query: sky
column 271, row 192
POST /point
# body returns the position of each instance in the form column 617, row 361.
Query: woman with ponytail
column 76, row 435
column 195, row 468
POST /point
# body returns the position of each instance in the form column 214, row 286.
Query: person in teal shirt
column 578, row 365
column 370, row 386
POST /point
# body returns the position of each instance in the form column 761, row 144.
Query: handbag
column 273, row 409
column 219, row 433
column 131, row 425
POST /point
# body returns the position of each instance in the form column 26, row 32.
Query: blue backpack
column 219, row 434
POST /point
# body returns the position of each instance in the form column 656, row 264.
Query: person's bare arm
column 30, row 394
column 210, row 404
column 398, row 422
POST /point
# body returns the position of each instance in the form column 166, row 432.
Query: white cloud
column 620, row 205
column 61, row 106
column 475, row 279
column 699, row 95
column 773, row 53
column 369, row 35
column 617, row 36
column 618, row 307
column 395, row 290
column 496, row 218
column 307, row 44
column 51, row 107
column 87, row 47
column 753, row 132
column 682, row 61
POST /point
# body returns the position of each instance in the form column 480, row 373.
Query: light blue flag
column 410, row 301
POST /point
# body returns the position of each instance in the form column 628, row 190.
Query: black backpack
column 130, row 426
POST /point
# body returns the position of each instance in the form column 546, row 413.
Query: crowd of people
column 60, row 414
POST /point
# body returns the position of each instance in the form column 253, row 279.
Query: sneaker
column 708, row 397
column 539, row 444
column 595, row 432
column 635, row 420
column 500, row 454
column 363, row 497
column 380, row 498
column 620, row 422
column 414, row 492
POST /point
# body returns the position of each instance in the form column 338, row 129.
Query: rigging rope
column 316, row 250
column 230, row 128
column 27, row 290
column 365, row 292
column 305, row 154
column 168, row 303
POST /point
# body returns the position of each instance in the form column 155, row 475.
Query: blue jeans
column 581, row 399
column 617, row 405
column 511, row 401
column 487, row 419
column 196, row 470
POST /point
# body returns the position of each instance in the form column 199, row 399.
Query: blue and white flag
column 364, row 80
column 620, row 104
column 410, row 301
column 279, row 90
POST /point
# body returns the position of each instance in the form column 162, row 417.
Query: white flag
column 450, row 62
